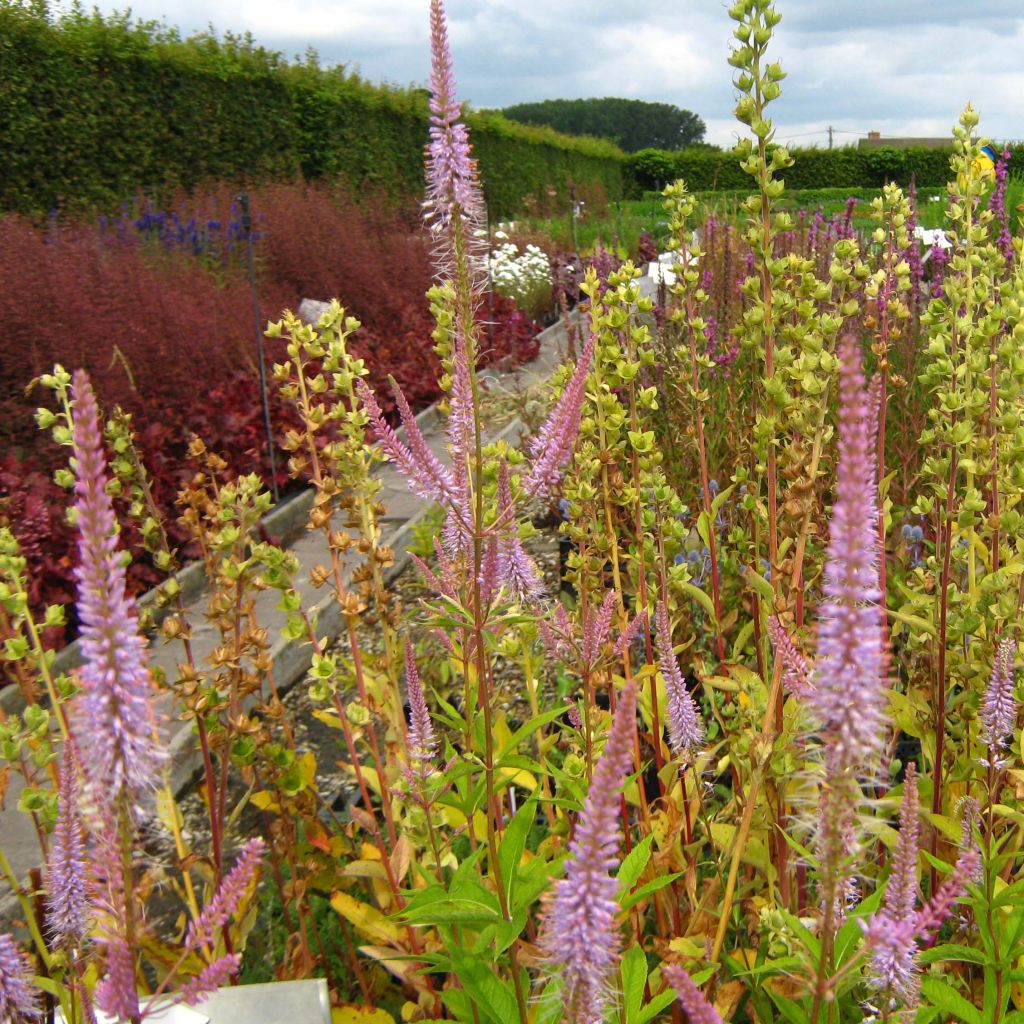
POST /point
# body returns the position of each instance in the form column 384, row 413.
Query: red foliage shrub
column 171, row 337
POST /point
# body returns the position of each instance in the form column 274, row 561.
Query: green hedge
column 847, row 167
column 93, row 108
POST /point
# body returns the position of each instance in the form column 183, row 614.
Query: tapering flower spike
column 204, row 930
column 19, row 1000
column 423, row 470
column 114, row 718
column 554, row 442
column 454, row 206
column 595, row 630
column 796, row 673
column 422, row 744
column 516, row 569
column 849, row 694
column 691, row 999
column 685, row 732
column 580, row 931
column 893, row 942
column 209, row 979
column 894, row 967
column 67, row 901
column 999, row 708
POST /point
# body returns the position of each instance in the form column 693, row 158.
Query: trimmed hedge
column 94, row 108
column 846, row 167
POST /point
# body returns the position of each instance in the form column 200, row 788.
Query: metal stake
column 243, row 202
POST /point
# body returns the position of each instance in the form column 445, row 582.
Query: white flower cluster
column 525, row 277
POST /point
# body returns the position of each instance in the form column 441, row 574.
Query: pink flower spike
column 632, row 631
column 515, row 568
column 203, row 931
column 595, row 630
column 19, row 1000
column 554, row 442
column 893, row 966
column 67, row 901
column 691, row 999
column 685, row 732
column 422, row 744
column 209, row 979
column 579, row 930
column 849, row 696
column 113, row 715
column 796, row 673
column 999, row 708
column 454, row 206
column 423, row 471
column 116, row 993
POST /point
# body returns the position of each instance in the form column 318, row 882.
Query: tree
column 631, row 124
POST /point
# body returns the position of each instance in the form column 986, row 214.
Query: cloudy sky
column 901, row 67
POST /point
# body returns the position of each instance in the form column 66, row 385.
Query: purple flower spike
column 999, row 708
column 423, row 471
column 67, row 902
column 454, row 203
column 114, row 714
column 19, row 1001
column 849, row 696
column 515, row 568
column 893, row 942
column 685, row 732
column 691, row 999
column 893, row 967
column 422, row 744
column 595, row 630
column 553, row 445
column 210, row 978
column 796, row 673
column 116, row 993
column 204, row 929
column 580, row 930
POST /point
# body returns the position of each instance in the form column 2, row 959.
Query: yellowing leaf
column 329, row 718
column 519, row 777
column 366, row 919
column 265, row 801
column 349, row 1014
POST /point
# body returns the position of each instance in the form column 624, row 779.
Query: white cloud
column 858, row 65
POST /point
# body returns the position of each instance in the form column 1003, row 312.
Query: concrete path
column 291, row 660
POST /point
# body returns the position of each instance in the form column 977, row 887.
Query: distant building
column 875, row 141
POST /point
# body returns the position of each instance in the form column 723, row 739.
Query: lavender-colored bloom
column 893, row 967
column 555, row 635
column 796, row 673
column 580, row 930
column 691, row 999
column 685, row 732
column 515, row 567
column 969, row 812
column 997, row 204
column 19, row 1001
column 421, row 740
column 454, row 206
column 209, row 979
column 999, row 707
column 849, row 695
column 116, row 993
column 218, row 911
column 595, row 631
column 553, row 445
column 631, row 632
column 893, row 941
column 421, row 468
column 113, row 715
column 67, row 902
